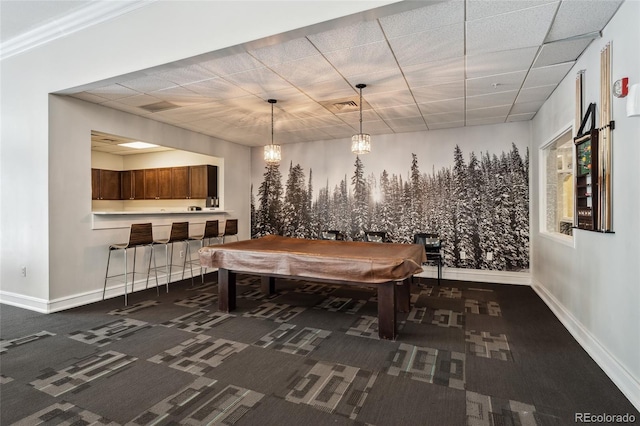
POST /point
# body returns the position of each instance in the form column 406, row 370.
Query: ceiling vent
column 344, row 105
column 159, row 106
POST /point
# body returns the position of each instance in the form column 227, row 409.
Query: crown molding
column 80, row 19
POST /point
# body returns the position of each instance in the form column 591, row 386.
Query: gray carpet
column 467, row 354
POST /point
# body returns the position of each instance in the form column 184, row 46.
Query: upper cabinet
column 132, row 184
column 105, row 184
column 157, row 184
column 203, row 181
column 186, row 182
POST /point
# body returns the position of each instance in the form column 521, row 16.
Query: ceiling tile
column 399, row 112
column 113, row 91
column 388, row 99
column 434, row 73
column 368, row 58
column 439, row 107
column 410, row 129
column 90, row 97
column 545, row 76
column 477, row 9
column 500, row 62
column 491, row 99
column 447, row 117
column 446, row 125
column 388, row 80
column 186, row 75
column 285, row 52
column 179, row 95
column 258, row 80
column 526, row 107
column 433, row 45
column 328, row 90
column 486, row 85
column 138, row 100
column 126, row 108
column 148, row 84
column 535, row 94
column 418, row 20
column 339, row 131
column 520, row 117
column 485, row 121
column 309, row 70
column 581, row 17
column 353, row 118
column 232, row 64
column 405, row 122
column 347, row 37
column 522, row 28
column 561, row 51
column 499, row 111
column 439, row 92
column 217, row 88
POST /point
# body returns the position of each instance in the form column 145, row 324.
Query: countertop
column 163, row 212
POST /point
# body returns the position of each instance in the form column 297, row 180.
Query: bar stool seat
column 211, row 230
column 140, row 235
column 179, row 234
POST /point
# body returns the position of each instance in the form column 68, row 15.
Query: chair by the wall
column 210, row 231
column 179, row 234
column 432, row 247
column 140, row 235
column 230, row 229
column 375, row 236
column 331, row 235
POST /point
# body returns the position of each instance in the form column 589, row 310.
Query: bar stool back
column 140, row 235
column 230, row 229
column 179, row 234
column 211, row 230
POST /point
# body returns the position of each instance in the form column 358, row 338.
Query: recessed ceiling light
column 138, row 145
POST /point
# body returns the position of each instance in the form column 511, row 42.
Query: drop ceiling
column 447, row 64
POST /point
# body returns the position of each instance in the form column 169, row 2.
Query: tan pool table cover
column 322, row 259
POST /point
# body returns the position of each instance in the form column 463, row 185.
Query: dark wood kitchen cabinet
column 105, row 184
column 194, row 182
column 203, row 181
column 133, row 185
column 157, row 184
column 180, row 183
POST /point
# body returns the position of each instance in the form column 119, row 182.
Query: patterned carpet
column 467, row 354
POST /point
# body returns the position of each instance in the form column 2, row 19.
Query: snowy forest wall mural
column 479, row 205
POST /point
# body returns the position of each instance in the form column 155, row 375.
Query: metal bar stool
column 211, row 230
column 140, row 235
column 432, row 246
column 179, row 234
column 230, row 229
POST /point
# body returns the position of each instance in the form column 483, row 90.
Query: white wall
column 594, row 286
column 36, row 171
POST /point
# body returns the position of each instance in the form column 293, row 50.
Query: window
column 558, row 174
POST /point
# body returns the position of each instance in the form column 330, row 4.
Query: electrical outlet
column 463, row 255
column 181, row 254
column 23, row 271
column 489, row 256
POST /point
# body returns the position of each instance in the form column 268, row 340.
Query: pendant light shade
column 361, row 143
column 272, row 153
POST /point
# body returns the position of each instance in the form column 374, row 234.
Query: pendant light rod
column 361, row 143
column 360, row 86
column 272, row 101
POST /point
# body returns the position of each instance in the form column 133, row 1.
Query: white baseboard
column 80, row 299
column 477, row 275
column 627, row 384
column 25, row 302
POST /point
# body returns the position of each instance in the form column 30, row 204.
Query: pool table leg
column 403, row 295
column 226, row 290
column 387, row 310
column 268, row 285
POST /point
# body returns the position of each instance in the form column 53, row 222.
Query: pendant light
column 272, row 153
column 361, row 143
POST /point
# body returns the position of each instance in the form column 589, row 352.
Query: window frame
column 543, row 152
